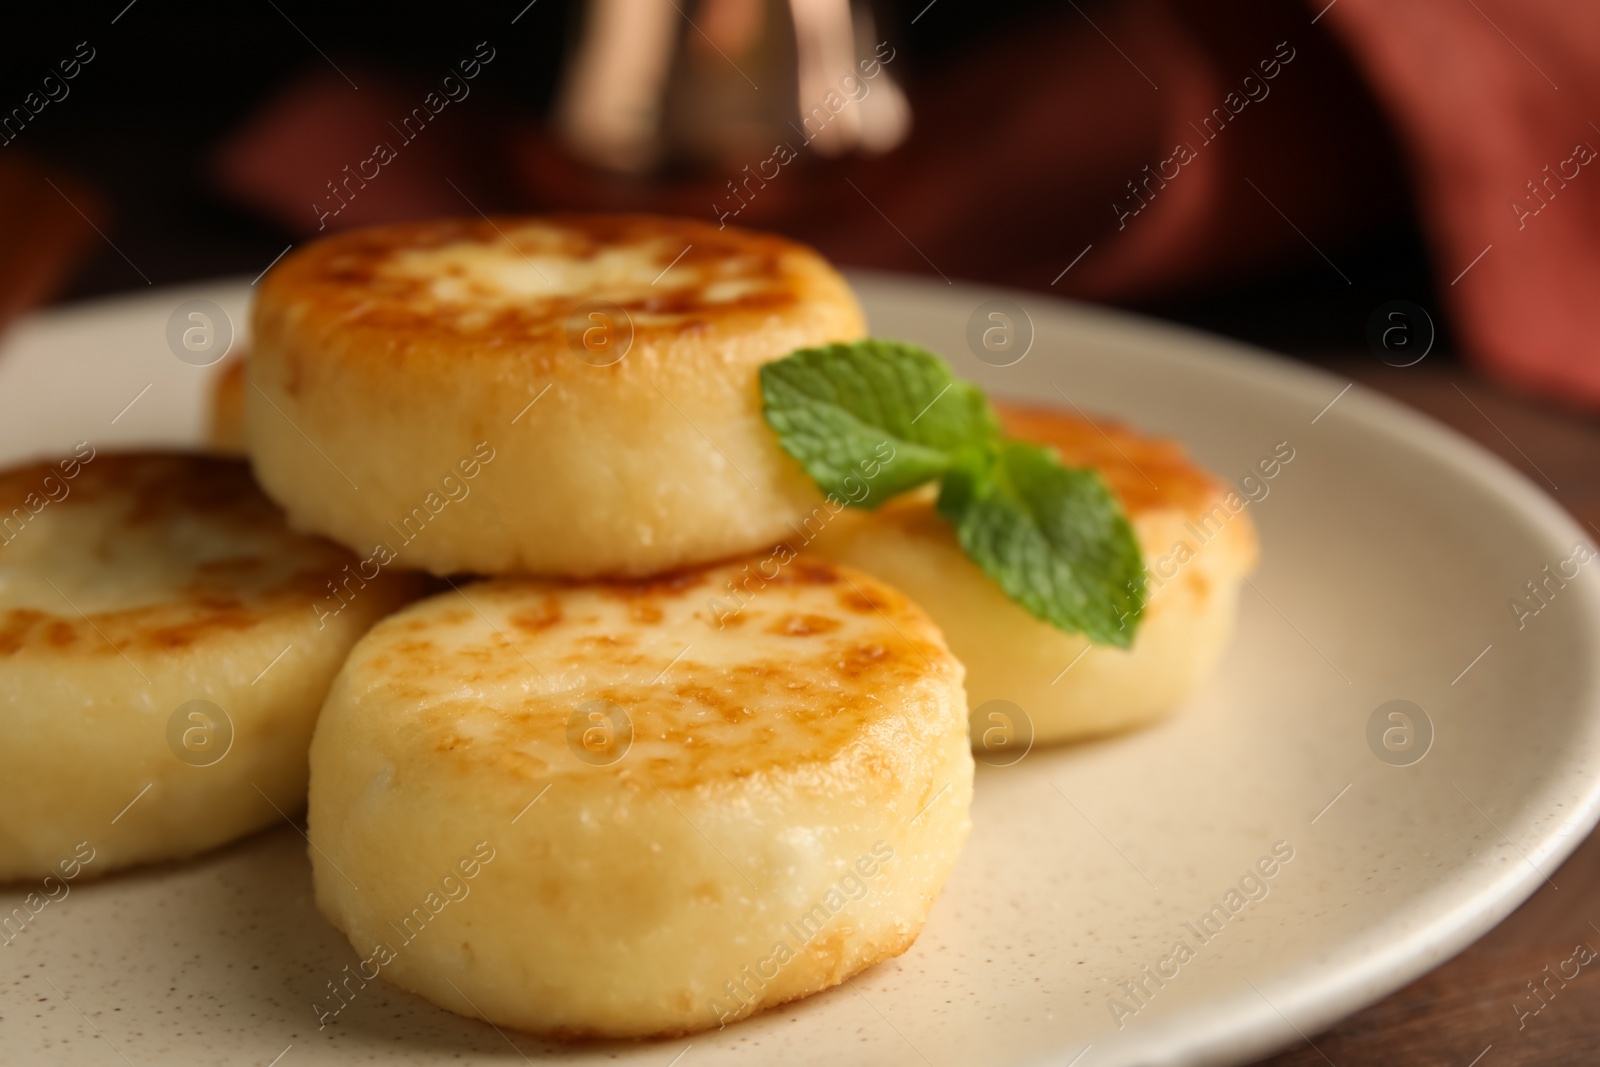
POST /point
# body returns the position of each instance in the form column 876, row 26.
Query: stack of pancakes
column 650, row 757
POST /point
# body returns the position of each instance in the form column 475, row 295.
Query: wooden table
column 1463, row 1013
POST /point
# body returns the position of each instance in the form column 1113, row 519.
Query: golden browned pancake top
column 818, row 657
column 147, row 552
column 515, row 281
column 1146, row 473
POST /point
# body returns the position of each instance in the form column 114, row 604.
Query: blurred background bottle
column 685, row 85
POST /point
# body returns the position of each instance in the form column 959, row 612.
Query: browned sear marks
column 350, row 277
column 796, row 684
column 1146, row 473
column 538, row 619
column 803, row 625
column 220, row 555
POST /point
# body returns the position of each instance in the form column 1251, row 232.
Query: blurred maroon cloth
column 48, row 220
column 1487, row 94
column 309, row 158
column 1297, row 129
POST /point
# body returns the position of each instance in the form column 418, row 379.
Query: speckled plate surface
column 1392, row 553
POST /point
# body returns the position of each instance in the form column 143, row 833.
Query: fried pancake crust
column 1065, row 687
column 608, row 362
column 130, row 586
column 670, row 793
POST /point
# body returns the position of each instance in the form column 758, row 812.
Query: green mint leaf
column 883, row 414
column 872, row 419
column 1054, row 538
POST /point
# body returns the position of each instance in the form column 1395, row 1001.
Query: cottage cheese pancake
column 225, row 418
column 165, row 643
column 1029, row 682
column 608, row 363
column 591, row 810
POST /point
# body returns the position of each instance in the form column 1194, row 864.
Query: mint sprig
column 833, row 406
column 1052, row 537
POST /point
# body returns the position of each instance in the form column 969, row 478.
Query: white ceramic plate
column 1391, row 552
